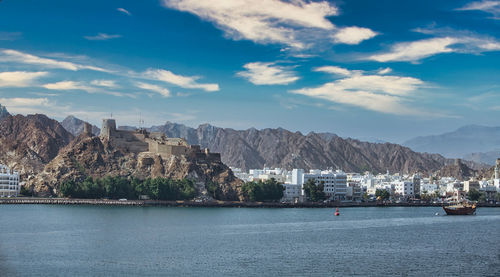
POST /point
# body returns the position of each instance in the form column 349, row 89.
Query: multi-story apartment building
column 9, row 182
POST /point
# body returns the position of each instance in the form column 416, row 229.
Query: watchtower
column 108, row 128
column 87, row 129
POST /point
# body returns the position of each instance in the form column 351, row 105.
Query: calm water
column 39, row 240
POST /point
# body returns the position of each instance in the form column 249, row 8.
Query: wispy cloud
column 10, row 35
column 105, row 83
column 298, row 24
column 417, row 50
column 178, row 80
column 67, row 85
column 26, row 105
column 8, row 55
column 380, row 93
column 260, row 73
column 160, row 90
column 20, row 78
column 102, row 36
column 122, row 10
column 488, row 6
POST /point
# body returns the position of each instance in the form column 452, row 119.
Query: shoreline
column 234, row 204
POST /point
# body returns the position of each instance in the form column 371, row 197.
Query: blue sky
column 388, row 70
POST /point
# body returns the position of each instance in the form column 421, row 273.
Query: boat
column 460, row 209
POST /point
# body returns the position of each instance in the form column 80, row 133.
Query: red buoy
column 337, row 212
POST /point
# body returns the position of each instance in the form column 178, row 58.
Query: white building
column 9, row 182
column 334, row 182
column 292, row 193
column 404, row 188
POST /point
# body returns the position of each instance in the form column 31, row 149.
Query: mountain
column 75, row 126
column 254, row 148
column 30, row 142
column 3, row 112
column 459, row 143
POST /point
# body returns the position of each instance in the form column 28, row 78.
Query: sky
column 372, row 70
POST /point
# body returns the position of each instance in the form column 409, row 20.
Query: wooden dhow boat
column 460, row 209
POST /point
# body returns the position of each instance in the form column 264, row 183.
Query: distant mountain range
column 278, row 147
column 471, row 142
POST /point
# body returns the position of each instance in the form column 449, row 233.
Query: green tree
column 270, row 190
column 474, row 194
column 383, row 194
column 314, row 192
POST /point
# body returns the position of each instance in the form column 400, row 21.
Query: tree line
column 269, row 190
column 129, row 188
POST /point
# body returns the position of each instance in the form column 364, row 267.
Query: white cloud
column 104, row 83
column 353, row 35
column 260, row 73
column 20, row 78
column 416, row 50
column 8, row 55
column 334, row 70
column 380, row 93
column 102, row 36
column 20, row 105
column 67, row 85
column 122, row 10
column 488, row 6
column 461, row 42
column 178, row 80
column 162, row 91
column 299, row 24
column 17, row 102
column 384, row 71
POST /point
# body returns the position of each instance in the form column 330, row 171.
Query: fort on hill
column 148, row 144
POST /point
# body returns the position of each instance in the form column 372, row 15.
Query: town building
column 404, row 189
column 9, row 182
column 334, row 182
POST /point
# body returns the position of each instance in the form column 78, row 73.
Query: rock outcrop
column 458, row 170
column 96, row 157
column 29, row 142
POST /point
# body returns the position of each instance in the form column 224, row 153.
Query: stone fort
column 140, row 141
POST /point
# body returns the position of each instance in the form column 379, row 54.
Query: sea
column 57, row 240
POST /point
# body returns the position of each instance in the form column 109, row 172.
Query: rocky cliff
column 254, row 148
column 29, row 142
column 458, row 170
column 75, row 126
column 96, row 157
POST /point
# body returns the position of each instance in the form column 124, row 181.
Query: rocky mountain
column 460, row 143
column 3, row 112
column 30, row 142
column 75, row 126
column 254, row 148
column 96, row 157
column 458, row 170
